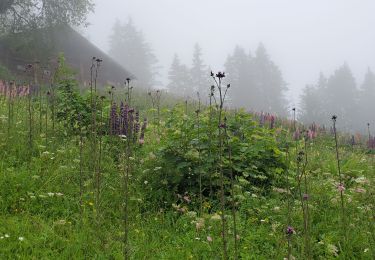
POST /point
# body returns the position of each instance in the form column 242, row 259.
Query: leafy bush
column 256, row 161
column 72, row 108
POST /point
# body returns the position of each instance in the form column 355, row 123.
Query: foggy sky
column 303, row 37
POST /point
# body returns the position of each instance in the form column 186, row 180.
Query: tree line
column 339, row 94
column 256, row 82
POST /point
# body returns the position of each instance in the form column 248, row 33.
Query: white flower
column 51, row 194
column 6, row 235
column 145, row 182
column 59, row 194
column 21, row 238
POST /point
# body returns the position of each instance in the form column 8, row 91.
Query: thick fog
column 303, row 38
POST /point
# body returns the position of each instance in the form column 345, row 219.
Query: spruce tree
column 270, row 83
column 199, row 73
column 367, row 99
column 129, row 48
column 342, row 94
column 179, row 78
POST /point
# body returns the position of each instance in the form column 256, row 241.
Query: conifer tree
column 367, row 99
column 199, row 73
column 129, row 48
column 179, row 78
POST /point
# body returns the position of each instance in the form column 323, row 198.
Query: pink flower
column 187, row 199
column 341, row 187
column 209, row 239
column 360, row 190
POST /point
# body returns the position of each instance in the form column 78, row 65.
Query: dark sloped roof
column 78, row 52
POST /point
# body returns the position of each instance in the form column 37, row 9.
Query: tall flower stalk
column 304, row 196
column 221, row 125
column 341, row 186
column 288, row 195
column 232, row 179
column 199, row 155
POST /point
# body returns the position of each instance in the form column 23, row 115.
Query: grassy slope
column 39, row 204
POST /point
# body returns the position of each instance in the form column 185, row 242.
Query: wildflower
column 6, row 236
column 59, row 194
column 332, row 249
column 222, row 125
column 182, row 210
column 187, row 199
column 220, row 75
column 305, row 196
column 51, row 194
column 341, row 187
column 199, row 224
column 191, row 214
column 61, row 222
column 145, row 182
column 290, row 230
column 280, row 190
column 21, row 238
column 209, row 239
column 360, row 190
column 216, row 217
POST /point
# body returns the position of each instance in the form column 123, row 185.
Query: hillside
column 114, row 175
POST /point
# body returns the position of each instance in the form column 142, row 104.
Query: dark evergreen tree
column 199, row 73
column 240, row 72
column 342, row 94
column 314, row 103
column 270, row 83
column 129, row 48
column 179, row 78
column 367, row 100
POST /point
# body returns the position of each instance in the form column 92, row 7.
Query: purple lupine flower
column 130, row 122
column 113, row 119
column 121, row 118
column 136, row 126
column 143, row 130
column 371, row 143
column 296, row 135
column 272, row 121
column 125, row 120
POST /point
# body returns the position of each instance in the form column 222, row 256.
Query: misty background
column 303, row 38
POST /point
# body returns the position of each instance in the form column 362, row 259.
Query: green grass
column 40, row 203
